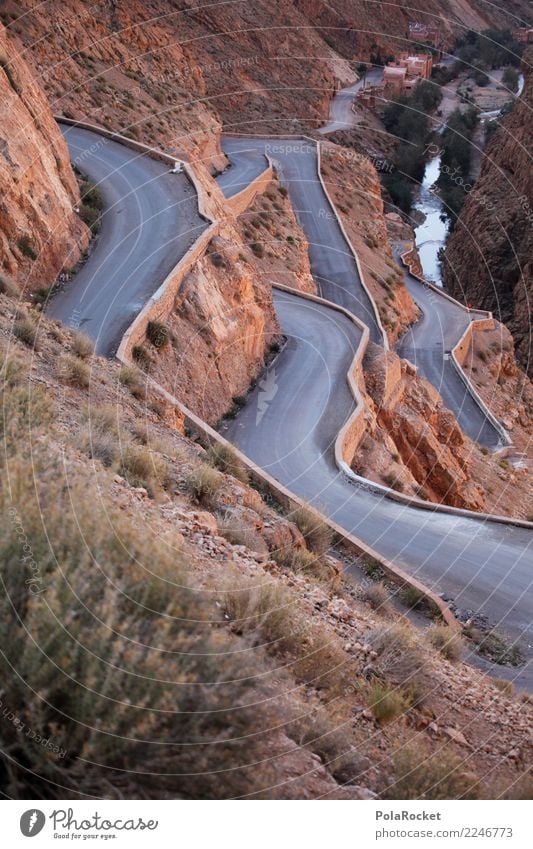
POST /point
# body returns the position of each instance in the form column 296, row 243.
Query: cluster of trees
column 487, row 49
column 456, row 160
column 407, row 118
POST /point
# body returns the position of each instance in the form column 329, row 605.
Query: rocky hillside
column 488, row 261
column 168, row 602
column 174, row 70
column 363, row 30
column 39, row 230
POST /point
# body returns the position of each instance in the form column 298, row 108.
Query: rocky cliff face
column 222, row 321
column 39, row 230
column 360, row 29
column 174, row 70
column 488, row 261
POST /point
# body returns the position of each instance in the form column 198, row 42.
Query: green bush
column 386, row 703
column 26, row 248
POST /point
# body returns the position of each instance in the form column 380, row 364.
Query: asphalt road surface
column 291, row 421
column 332, row 264
column 341, row 116
column 428, row 343
column 289, row 427
column 150, row 220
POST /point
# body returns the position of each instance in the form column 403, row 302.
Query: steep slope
column 227, row 629
column 488, row 260
column 362, row 30
column 39, row 230
column 173, row 71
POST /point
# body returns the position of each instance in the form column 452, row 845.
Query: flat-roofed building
column 394, row 78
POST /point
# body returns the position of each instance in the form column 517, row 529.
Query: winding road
column 291, row 430
column 428, row 343
column 332, row 264
column 341, row 115
column 483, row 566
column 149, row 217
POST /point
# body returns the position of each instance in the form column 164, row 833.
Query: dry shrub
column 504, row 686
column 270, row 612
column 25, row 330
column 203, row 483
column 403, row 662
column 225, row 458
column 318, row 535
column 447, row 641
column 25, row 406
column 233, row 529
column 8, row 286
column 74, row 371
column 332, row 742
column 100, row 446
column 386, row 703
column 81, row 345
column 377, row 596
column 122, row 658
column 131, row 378
column 434, row 776
column 143, row 468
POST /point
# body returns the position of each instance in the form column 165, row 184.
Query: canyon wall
column 39, row 230
column 488, row 261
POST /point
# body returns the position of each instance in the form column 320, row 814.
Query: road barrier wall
column 349, row 436
column 240, row 202
column 483, row 321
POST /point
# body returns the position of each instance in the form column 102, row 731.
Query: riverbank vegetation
column 456, row 161
column 407, row 118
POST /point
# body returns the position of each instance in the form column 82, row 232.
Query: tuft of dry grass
column 25, row 330
column 447, row 641
column 142, row 467
column 377, row 596
column 237, row 533
column 317, row 533
column 8, row 286
column 203, row 483
column 81, row 345
column 419, row 775
column 403, row 662
column 225, row 458
column 100, row 446
column 131, row 378
column 74, row 371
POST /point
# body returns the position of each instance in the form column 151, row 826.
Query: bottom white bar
column 231, row 825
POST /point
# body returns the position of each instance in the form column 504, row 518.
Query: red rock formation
column 488, row 261
column 39, row 230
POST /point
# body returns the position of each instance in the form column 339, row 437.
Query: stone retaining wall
column 485, row 321
column 240, row 202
